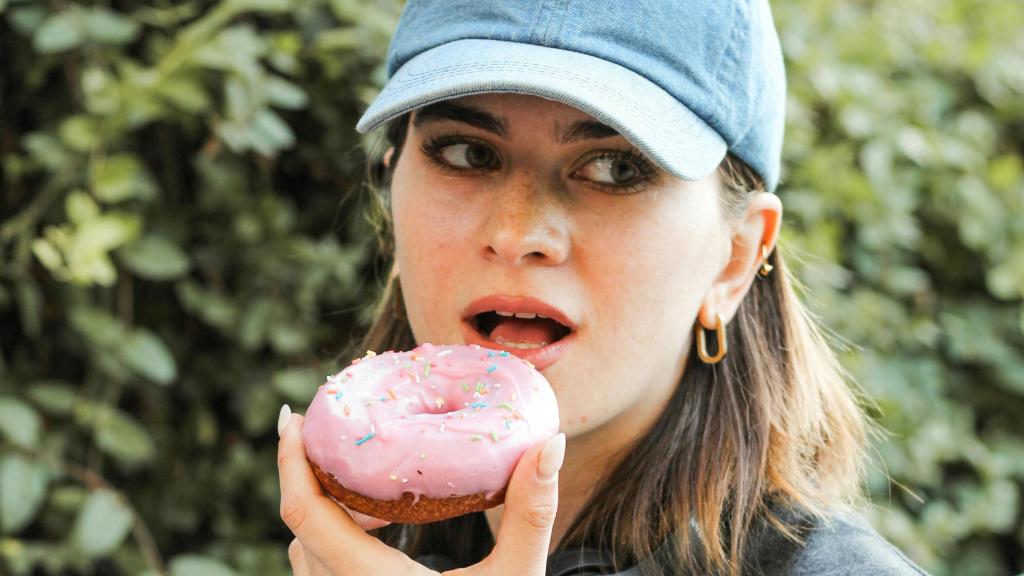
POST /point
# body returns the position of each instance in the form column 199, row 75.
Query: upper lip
column 518, row 304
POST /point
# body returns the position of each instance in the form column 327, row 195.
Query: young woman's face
column 514, row 203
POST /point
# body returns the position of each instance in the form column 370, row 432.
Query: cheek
column 427, row 219
column 651, row 270
column 430, row 244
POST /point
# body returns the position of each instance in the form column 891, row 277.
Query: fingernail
column 283, row 418
column 550, row 461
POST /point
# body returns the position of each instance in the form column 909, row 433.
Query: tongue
column 523, row 330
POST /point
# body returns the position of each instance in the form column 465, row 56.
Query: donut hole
column 451, row 403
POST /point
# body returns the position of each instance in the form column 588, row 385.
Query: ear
column 758, row 227
column 387, row 156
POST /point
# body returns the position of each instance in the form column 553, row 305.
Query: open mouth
column 520, row 330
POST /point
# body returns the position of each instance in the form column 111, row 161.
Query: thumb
column 530, row 505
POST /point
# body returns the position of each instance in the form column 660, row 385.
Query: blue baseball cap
column 684, row 81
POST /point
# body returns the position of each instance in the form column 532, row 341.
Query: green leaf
column 46, row 149
column 121, row 177
column 67, row 499
column 122, row 437
column 19, row 422
column 261, row 5
column 270, row 130
column 155, row 258
column 80, row 133
column 284, row 94
column 187, row 94
column 238, row 98
column 196, row 565
column 297, row 385
column 287, row 339
column 104, row 233
column 23, row 486
column 59, row 32
column 259, row 408
column 145, row 353
column 255, row 321
column 214, row 308
column 101, row 524
column 27, row 19
column 235, row 136
column 97, row 326
column 55, row 397
column 338, row 39
column 47, row 254
column 80, row 207
column 106, row 26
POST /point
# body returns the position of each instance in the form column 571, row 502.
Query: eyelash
column 647, row 172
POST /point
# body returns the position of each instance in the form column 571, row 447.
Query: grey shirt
column 847, row 546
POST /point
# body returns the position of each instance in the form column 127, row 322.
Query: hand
column 329, row 542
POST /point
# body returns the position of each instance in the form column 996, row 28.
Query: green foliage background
column 180, row 254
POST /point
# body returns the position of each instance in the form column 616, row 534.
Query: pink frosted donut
column 428, row 434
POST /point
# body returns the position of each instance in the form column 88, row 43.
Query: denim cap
column 683, row 80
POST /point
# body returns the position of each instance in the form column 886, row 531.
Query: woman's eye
column 467, row 155
column 611, row 171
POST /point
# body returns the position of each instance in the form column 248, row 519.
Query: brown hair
column 775, row 422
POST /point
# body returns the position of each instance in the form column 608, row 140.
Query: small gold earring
column 766, row 268
column 723, row 346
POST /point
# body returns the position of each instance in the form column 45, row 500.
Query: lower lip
column 541, row 357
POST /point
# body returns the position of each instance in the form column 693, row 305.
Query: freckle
column 583, row 418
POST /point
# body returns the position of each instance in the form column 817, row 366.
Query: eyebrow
column 477, row 118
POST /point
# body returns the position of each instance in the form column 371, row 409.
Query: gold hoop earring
column 766, row 268
column 723, row 346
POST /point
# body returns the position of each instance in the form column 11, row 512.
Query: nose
column 527, row 225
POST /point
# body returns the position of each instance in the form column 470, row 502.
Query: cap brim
column 640, row 110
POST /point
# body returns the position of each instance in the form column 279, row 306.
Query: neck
column 584, row 463
column 588, row 457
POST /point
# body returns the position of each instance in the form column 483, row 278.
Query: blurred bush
column 179, row 254
column 904, row 185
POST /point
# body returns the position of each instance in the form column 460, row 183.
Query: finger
column 325, row 530
column 315, row 567
column 304, row 563
column 297, row 557
column 530, row 505
column 364, row 521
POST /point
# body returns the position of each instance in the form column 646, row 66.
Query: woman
column 616, row 163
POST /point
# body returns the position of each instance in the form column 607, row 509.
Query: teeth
column 527, row 315
column 520, row 345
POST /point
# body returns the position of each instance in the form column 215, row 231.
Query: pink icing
column 387, row 424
